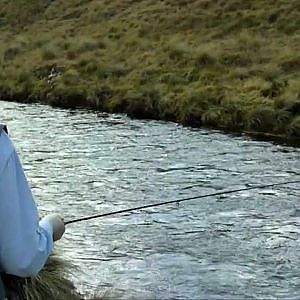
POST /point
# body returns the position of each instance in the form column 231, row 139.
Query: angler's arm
column 25, row 243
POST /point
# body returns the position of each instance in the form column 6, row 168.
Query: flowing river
column 239, row 246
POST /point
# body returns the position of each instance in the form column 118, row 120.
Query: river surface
column 244, row 245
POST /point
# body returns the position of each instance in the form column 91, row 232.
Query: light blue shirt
column 25, row 243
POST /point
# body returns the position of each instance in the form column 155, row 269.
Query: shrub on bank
column 263, row 119
column 294, row 128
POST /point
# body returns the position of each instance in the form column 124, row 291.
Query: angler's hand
column 58, row 225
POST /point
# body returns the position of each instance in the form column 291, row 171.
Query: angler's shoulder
column 6, row 148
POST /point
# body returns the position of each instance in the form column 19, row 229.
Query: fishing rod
column 177, row 201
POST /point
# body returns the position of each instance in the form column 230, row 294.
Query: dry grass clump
column 51, row 283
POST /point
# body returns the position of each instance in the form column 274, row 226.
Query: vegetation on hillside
column 228, row 64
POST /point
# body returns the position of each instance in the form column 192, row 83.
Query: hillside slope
column 229, row 64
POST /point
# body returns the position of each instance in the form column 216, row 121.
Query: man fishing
column 25, row 242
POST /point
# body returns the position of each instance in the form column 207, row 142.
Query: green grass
column 227, row 64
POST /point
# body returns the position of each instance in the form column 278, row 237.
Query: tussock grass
column 51, row 283
column 229, row 64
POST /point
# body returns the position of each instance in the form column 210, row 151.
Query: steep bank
column 229, row 64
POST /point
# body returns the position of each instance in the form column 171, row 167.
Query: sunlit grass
column 229, row 64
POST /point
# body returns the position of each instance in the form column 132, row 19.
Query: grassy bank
column 227, row 64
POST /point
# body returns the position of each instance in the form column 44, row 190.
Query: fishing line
column 177, row 201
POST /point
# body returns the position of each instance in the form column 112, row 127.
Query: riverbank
column 231, row 65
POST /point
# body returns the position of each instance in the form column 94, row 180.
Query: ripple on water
column 244, row 245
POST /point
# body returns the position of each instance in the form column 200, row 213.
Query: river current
column 244, row 245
